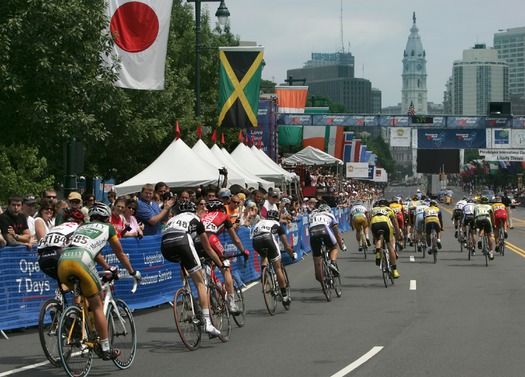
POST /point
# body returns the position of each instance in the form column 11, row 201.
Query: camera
column 223, row 171
column 167, row 195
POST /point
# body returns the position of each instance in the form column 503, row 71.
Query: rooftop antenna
column 341, row 19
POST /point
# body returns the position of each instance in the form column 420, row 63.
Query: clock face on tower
column 419, row 67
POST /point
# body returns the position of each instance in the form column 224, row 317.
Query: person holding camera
column 149, row 212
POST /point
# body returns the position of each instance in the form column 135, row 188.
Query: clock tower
column 414, row 90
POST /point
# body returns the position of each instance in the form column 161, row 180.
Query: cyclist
column 215, row 222
column 264, row 240
column 398, row 210
column 383, row 218
column 412, row 205
column 457, row 216
column 484, row 217
column 500, row 218
column 468, row 221
column 178, row 247
column 324, row 229
column 50, row 246
column 359, row 219
column 419, row 223
column 433, row 221
column 78, row 260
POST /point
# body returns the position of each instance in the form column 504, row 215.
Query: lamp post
column 222, row 14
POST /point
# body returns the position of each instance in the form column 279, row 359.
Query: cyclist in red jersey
column 215, row 222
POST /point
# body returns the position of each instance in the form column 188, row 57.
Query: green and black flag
column 240, row 81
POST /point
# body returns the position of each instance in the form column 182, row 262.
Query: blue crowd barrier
column 24, row 288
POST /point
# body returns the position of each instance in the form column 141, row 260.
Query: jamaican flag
column 240, row 81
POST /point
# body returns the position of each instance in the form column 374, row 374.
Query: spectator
column 117, row 217
column 89, row 200
column 162, row 192
column 271, row 202
column 75, row 201
column 59, row 207
column 149, row 212
column 131, row 221
column 210, row 192
column 231, row 204
column 112, row 196
column 201, row 208
column 13, row 224
column 28, row 210
column 50, row 194
column 2, row 240
column 304, row 207
column 44, row 218
column 312, row 204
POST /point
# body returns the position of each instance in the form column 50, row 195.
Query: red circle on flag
column 134, row 26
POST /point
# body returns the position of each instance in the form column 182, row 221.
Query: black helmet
column 273, row 215
column 483, row 200
column 71, row 214
column 187, row 206
column 433, row 203
column 215, row 205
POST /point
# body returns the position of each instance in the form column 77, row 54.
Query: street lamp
column 222, row 14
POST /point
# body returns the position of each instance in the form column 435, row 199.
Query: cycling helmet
column 394, row 200
column 324, row 208
column 272, row 215
column 483, row 200
column 432, row 203
column 497, row 199
column 382, row 203
column 99, row 210
column 470, row 199
column 215, row 205
column 358, row 203
column 464, row 198
column 286, row 201
column 71, row 214
column 186, row 206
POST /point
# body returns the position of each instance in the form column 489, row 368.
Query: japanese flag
column 140, row 30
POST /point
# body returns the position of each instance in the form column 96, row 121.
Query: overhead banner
column 502, row 154
column 239, row 86
column 400, row 137
column 451, row 139
column 357, row 170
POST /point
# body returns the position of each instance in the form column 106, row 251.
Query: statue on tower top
column 414, row 16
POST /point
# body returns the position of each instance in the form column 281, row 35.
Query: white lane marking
column 13, row 371
column 412, row 285
column 412, row 258
column 363, row 359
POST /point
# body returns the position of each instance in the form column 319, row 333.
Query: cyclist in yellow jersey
column 78, row 260
column 383, row 218
column 433, row 220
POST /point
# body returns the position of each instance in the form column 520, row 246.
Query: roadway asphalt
column 453, row 318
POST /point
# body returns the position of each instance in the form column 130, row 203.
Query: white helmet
column 99, row 210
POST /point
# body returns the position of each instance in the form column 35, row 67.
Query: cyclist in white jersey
column 457, row 214
column 360, row 219
column 78, row 260
column 265, row 236
column 419, row 222
column 324, row 229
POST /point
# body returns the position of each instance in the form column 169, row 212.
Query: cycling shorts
column 178, row 247
column 432, row 225
column 78, row 262
column 500, row 218
column 400, row 220
column 359, row 223
column 386, row 227
column 266, row 246
column 48, row 261
column 458, row 214
column 468, row 220
column 483, row 223
column 319, row 235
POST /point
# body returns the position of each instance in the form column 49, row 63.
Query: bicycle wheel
column 485, row 250
column 326, row 279
column 363, row 243
column 122, row 333
column 219, row 313
column 469, row 242
column 188, row 325
column 288, row 290
column 337, row 284
column 240, row 318
column 501, row 241
column 433, row 237
column 75, row 355
column 48, row 322
column 385, row 266
column 268, row 290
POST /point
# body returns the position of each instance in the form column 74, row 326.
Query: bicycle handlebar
column 245, row 254
column 112, row 277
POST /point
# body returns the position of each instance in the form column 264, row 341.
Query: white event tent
column 223, row 155
column 268, row 161
column 178, row 166
column 311, row 156
column 235, row 176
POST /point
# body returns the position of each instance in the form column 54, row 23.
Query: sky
column 374, row 31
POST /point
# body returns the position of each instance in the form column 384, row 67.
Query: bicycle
column 48, row 321
column 470, row 245
column 362, row 244
column 271, row 290
column 188, row 314
column 433, row 244
column 328, row 281
column 238, row 296
column 485, row 248
column 385, row 266
column 501, row 240
column 79, row 339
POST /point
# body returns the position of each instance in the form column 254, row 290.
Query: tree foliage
column 54, row 88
